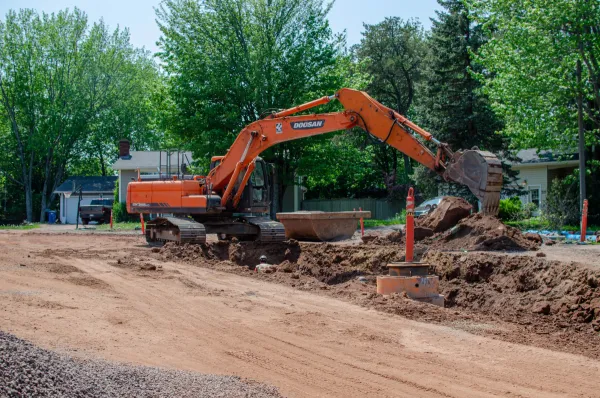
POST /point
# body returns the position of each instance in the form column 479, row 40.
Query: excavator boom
column 480, row 171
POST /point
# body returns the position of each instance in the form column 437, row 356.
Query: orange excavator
column 234, row 199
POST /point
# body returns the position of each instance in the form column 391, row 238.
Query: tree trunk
column 407, row 165
column 102, row 165
column 47, row 167
column 582, row 193
column 29, row 202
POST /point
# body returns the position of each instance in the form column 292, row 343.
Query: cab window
column 258, row 176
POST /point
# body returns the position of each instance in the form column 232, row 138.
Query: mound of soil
column 519, row 288
column 479, row 232
column 448, row 213
column 325, row 262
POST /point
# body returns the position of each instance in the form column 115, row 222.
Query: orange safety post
column 142, row 221
column 362, row 224
column 584, row 215
column 410, row 225
column 111, row 220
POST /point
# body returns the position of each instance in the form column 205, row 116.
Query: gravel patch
column 29, row 371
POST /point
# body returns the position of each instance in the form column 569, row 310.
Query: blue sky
column 139, row 17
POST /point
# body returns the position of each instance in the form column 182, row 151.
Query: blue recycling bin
column 51, row 216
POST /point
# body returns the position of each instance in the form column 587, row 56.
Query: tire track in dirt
column 306, row 344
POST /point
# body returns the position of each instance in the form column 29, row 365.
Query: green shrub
column 528, row 210
column 562, row 206
column 120, row 209
column 510, row 209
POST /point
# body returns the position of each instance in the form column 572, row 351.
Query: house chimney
column 124, row 149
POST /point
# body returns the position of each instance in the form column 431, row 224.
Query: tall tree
column 530, row 72
column 60, row 82
column 450, row 103
column 232, row 61
column 392, row 52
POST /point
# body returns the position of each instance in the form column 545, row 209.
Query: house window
column 64, row 199
column 534, row 195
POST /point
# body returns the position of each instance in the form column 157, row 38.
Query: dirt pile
column 479, row 232
column 520, row 288
column 29, row 371
column 325, row 262
column 446, row 215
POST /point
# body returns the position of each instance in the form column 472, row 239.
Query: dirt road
column 69, row 293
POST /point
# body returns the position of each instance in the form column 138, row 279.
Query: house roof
column 149, row 161
column 88, row 184
column 530, row 156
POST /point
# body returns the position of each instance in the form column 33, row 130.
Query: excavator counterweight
column 234, row 199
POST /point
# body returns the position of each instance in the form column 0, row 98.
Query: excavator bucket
column 481, row 171
column 321, row 226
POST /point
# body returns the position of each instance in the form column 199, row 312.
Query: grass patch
column 21, row 226
column 119, row 226
column 539, row 224
column 398, row 219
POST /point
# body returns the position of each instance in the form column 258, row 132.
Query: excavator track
column 174, row 229
column 270, row 231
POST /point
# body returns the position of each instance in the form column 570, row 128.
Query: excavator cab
column 256, row 198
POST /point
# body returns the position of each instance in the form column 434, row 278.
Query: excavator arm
column 480, row 171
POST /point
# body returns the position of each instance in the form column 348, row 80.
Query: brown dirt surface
column 448, row 213
column 479, row 232
column 487, row 286
column 314, row 327
column 555, row 297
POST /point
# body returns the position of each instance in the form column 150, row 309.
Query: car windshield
column 101, row 202
column 434, row 201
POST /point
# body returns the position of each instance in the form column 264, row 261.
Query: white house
column 91, row 188
column 149, row 163
column 537, row 169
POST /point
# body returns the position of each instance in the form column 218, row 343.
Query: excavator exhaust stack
column 481, row 171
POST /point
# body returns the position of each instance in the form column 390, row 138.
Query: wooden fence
column 380, row 209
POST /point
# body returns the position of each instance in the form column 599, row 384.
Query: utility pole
column 582, row 193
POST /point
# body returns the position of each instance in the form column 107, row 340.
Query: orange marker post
column 111, row 220
column 584, row 215
column 362, row 224
column 410, row 225
column 142, row 221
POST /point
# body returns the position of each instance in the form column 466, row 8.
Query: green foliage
column 232, row 61
column 68, row 91
column 529, row 67
column 426, row 182
column 562, row 206
column 398, row 219
column 391, row 52
column 120, row 212
column 450, row 103
column 20, row 227
column 341, row 168
column 510, row 209
column 121, row 226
